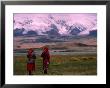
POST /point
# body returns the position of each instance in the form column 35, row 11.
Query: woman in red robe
column 31, row 61
column 46, row 59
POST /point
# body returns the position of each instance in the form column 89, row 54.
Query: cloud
column 41, row 22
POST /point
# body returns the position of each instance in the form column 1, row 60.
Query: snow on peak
column 62, row 22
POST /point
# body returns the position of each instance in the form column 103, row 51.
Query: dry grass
column 60, row 65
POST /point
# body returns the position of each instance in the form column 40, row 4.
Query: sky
column 41, row 22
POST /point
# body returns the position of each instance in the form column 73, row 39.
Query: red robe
column 46, row 59
column 31, row 62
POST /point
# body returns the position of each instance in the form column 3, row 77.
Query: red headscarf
column 30, row 51
column 45, row 49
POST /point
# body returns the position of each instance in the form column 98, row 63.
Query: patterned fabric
column 46, row 58
column 31, row 60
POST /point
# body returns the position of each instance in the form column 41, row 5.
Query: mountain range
column 51, row 27
column 53, row 31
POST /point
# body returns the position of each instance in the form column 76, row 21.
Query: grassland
column 60, row 65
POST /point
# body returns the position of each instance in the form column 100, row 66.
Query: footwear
column 45, row 71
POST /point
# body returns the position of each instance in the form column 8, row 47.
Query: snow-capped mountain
column 51, row 25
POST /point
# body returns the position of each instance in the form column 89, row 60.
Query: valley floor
column 60, row 65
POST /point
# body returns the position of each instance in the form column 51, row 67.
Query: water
column 60, row 53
